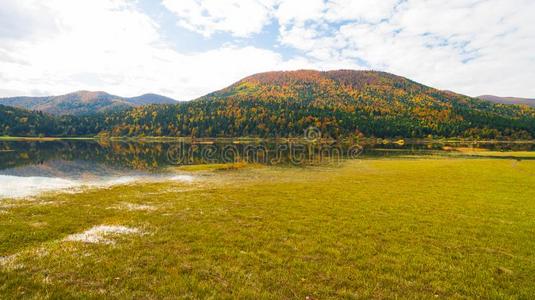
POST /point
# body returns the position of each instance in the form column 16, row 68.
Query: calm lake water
column 31, row 167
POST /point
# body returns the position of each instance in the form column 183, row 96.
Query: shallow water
column 20, row 187
column 29, row 168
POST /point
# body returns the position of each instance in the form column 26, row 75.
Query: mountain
column 21, row 122
column 340, row 103
column 83, row 103
column 508, row 100
column 151, row 99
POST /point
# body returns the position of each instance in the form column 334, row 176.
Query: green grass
column 420, row 228
column 216, row 167
column 516, row 154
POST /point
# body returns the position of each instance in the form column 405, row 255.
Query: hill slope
column 339, row 103
column 83, row 103
column 508, row 100
column 20, row 122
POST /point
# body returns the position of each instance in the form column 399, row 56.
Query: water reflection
column 73, row 157
column 26, row 165
column 79, row 158
column 29, row 168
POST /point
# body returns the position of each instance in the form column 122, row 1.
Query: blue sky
column 187, row 48
column 188, row 41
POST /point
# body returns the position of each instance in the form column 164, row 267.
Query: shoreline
column 253, row 139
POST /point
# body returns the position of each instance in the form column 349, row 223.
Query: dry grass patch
column 101, row 234
column 134, row 207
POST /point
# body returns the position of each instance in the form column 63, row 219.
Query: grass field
column 390, row 228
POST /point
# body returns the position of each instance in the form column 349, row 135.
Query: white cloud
column 112, row 46
column 469, row 46
column 361, row 10
column 239, row 17
column 98, row 40
column 295, row 11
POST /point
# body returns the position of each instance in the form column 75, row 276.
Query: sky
column 187, row 48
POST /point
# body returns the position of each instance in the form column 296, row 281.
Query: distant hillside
column 83, row 103
column 508, row 100
column 20, row 122
column 147, row 99
column 339, row 103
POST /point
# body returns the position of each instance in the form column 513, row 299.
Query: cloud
column 371, row 11
column 96, row 38
column 293, row 11
column 111, row 45
column 469, row 46
column 473, row 47
column 239, row 17
column 22, row 19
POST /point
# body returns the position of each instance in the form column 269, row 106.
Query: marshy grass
column 396, row 228
column 217, row 167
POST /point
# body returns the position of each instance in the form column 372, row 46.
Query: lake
column 31, row 167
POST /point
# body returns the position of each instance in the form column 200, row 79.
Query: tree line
column 340, row 104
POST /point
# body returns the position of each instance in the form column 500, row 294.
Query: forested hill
column 21, row 122
column 340, row 103
column 83, row 103
column 508, row 100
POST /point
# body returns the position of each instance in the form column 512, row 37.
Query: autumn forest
column 283, row 104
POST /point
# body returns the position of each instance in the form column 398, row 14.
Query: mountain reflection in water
column 29, row 166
